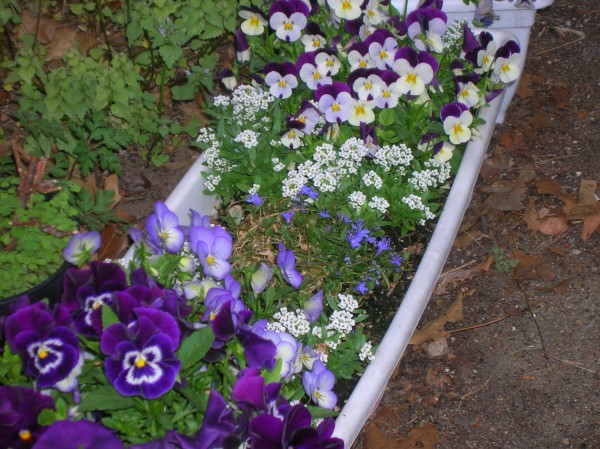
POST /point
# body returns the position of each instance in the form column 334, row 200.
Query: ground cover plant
column 232, row 332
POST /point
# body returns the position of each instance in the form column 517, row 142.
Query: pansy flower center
column 360, row 110
column 458, row 129
column 505, row 68
column 288, row 26
column 140, row 361
column 25, row 435
column 347, row 5
column 210, row 260
column 383, row 54
column 42, row 353
column 411, row 78
column 335, row 107
column 254, row 21
column 281, row 84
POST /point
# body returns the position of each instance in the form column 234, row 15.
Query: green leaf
column 104, row 398
column 273, row 376
column 108, row 317
column 386, row 117
column 170, row 54
column 183, row 93
column 318, row 412
column 195, row 347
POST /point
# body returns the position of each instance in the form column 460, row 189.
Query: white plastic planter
column 367, row 393
column 517, row 20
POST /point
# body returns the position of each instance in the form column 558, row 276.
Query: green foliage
column 503, row 263
column 32, row 235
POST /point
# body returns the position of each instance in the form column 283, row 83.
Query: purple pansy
column 19, row 410
column 415, row 70
column 261, row 278
column 318, row 384
column 213, row 247
column 314, row 306
column 288, row 18
column 335, row 101
column 281, row 78
column 78, row 435
column 242, row 47
column 219, row 425
column 163, row 229
column 358, row 56
column 81, row 247
column 426, row 26
column 286, row 261
column 48, row 347
column 141, row 356
column 308, row 115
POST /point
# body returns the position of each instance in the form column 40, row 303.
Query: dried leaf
column 547, row 186
column 64, row 39
column 427, row 436
column 29, row 24
column 553, row 225
column 587, row 208
column 590, row 225
column 111, row 183
column 506, row 195
column 437, row 348
column 461, row 274
column 492, row 167
column 113, row 243
column 434, row 329
column 524, row 90
column 532, row 267
column 587, row 191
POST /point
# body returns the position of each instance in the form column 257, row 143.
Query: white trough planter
column 517, row 20
column 368, row 391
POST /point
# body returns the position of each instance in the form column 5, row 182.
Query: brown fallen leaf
column 524, row 90
column 111, row 183
column 506, row 195
column 113, row 243
column 546, row 186
column 532, row 267
column 586, row 208
column 553, row 225
column 426, row 435
column 434, row 329
column 29, row 24
column 461, row 274
column 560, row 288
column 495, row 165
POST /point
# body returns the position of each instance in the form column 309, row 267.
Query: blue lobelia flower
column 213, row 247
column 163, row 229
column 48, row 347
column 78, row 435
column 318, row 384
column 141, row 356
column 19, row 410
column 286, row 261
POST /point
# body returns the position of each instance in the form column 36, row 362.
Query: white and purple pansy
column 367, row 84
column 281, row 78
column 292, row 138
column 309, row 116
column 442, row 152
column 457, row 120
column 318, row 384
column 254, row 21
column 506, row 66
column 358, row 56
column 213, row 246
column 242, row 47
column 335, row 101
column 382, row 48
column 141, row 357
column 374, row 14
column 467, row 91
column 327, row 62
column 48, row 347
column 309, row 71
column 288, row 18
column 426, row 26
column 389, row 95
column 313, row 38
column 361, row 112
column 415, row 70
column 346, row 9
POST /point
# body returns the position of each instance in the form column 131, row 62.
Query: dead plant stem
column 530, row 310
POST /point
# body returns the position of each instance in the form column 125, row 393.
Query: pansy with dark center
column 19, row 410
column 416, row 70
column 141, row 356
column 48, row 347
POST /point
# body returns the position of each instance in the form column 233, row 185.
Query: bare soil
column 521, row 369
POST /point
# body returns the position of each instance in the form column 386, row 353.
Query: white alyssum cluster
column 295, row 323
column 454, row 33
column 342, row 321
column 248, row 138
column 432, row 176
column 254, row 189
column 372, row 179
column 357, row 199
column 397, row 156
column 212, row 153
column 379, row 203
column 221, row 101
column 212, row 181
column 248, row 101
column 277, row 164
column 327, row 167
column 366, row 353
column 416, row 203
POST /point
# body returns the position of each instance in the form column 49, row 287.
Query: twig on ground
column 530, row 310
column 475, row 390
column 581, row 37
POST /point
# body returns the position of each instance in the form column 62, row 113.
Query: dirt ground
column 520, row 366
